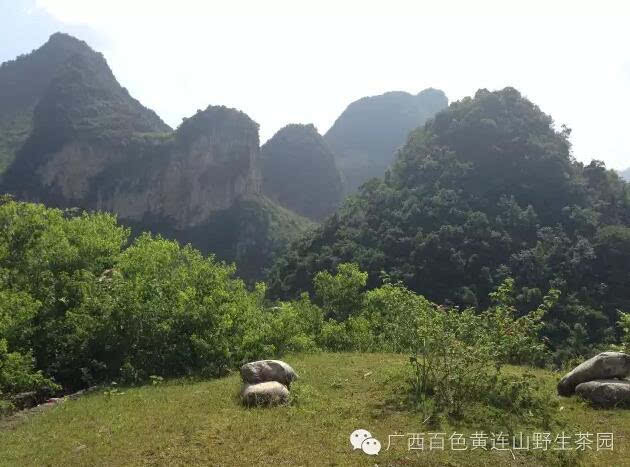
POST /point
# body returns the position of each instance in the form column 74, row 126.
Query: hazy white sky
column 283, row 61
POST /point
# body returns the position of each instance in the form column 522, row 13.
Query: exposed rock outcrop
column 603, row 366
column 208, row 164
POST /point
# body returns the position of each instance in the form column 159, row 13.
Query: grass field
column 188, row 423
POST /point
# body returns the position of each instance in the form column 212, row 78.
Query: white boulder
column 269, row 393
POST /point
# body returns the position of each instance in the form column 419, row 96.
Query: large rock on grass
column 268, row 370
column 606, row 365
column 269, row 393
column 605, row 392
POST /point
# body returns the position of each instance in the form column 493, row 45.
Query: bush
column 395, row 315
column 166, row 311
column 340, row 295
column 624, row 324
column 18, row 374
column 79, row 308
column 458, row 356
column 287, row 327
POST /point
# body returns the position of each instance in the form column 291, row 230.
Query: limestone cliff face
column 205, row 166
column 94, row 146
column 211, row 161
column 85, row 142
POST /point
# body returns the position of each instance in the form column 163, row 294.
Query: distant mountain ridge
column 625, row 174
column 43, row 84
column 367, row 134
column 85, row 142
column 299, row 172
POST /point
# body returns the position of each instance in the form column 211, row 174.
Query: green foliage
column 79, row 306
column 457, row 357
column 299, row 172
column 18, row 374
column 288, row 327
column 252, row 233
column 624, row 324
column 367, row 134
column 166, row 311
column 13, row 133
column 486, row 190
column 517, row 338
column 341, row 294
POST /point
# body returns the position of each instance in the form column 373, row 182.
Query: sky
column 294, row 61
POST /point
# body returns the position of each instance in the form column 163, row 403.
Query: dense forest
column 299, row 172
column 486, row 190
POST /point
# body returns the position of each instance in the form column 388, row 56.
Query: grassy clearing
column 187, row 423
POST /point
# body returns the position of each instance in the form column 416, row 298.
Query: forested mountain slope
column 367, row 134
column 485, row 190
column 299, row 172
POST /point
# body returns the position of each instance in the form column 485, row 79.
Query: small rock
column 25, row 400
column 605, row 392
column 268, row 370
column 269, row 393
column 606, row 365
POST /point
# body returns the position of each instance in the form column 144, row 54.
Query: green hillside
column 299, row 172
column 367, row 134
column 65, row 87
column 486, row 190
column 187, row 422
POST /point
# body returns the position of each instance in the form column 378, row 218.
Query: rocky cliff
column 64, row 89
column 299, row 172
column 89, row 144
column 367, row 134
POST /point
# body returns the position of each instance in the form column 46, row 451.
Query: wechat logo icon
column 362, row 439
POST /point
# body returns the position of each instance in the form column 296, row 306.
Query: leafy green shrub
column 288, row 327
column 517, row 338
column 520, row 397
column 167, row 311
column 458, row 356
column 17, row 374
column 341, row 294
column 395, row 315
column 334, row 337
column 624, row 324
